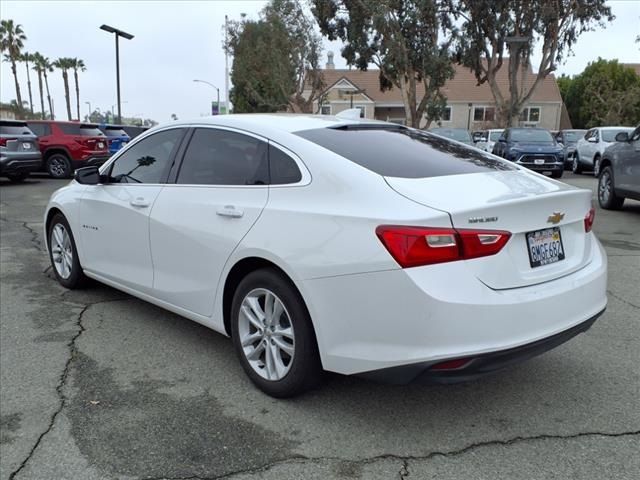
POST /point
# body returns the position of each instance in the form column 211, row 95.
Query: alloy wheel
column 57, row 167
column 266, row 334
column 604, row 187
column 62, row 251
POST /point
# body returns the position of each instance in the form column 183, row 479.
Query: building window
column 325, row 110
column 484, row 114
column 446, row 115
column 363, row 111
column 530, row 114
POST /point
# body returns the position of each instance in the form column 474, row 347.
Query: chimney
column 330, row 65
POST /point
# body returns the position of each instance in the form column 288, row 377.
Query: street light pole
column 217, row 90
column 117, row 33
column 90, row 111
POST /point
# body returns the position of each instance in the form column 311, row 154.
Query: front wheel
column 273, row 335
column 64, row 255
column 557, row 174
column 575, row 166
column 607, row 197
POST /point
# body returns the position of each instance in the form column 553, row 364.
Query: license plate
column 539, row 161
column 545, row 247
column 26, row 146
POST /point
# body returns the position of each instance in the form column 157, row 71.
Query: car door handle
column 229, row 211
column 139, row 202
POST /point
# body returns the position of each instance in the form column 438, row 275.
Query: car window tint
column 636, row 135
column 15, row 129
column 148, row 160
column 403, row 152
column 221, row 157
column 40, row 129
column 282, row 168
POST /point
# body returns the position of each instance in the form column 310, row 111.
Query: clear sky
column 178, row 41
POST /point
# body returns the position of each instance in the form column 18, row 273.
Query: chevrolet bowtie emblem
column 555, row 218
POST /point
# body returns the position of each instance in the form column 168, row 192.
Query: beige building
column 469, row 105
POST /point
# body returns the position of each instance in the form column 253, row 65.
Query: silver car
column 619, row 176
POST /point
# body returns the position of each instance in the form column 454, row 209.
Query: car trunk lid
column 516, row 201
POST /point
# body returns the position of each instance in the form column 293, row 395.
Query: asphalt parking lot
column 96, row 384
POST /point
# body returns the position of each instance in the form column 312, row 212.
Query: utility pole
column 226, row 65
column 117, row 33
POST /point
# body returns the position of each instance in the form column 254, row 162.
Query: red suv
column 66, row 146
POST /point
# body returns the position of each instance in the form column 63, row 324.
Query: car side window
column 635, row 136
column 222, row 157
column 149, row 160
column 282, row 168
column 40, row 129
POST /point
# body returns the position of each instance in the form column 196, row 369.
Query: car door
column 220, row 190
column 114, row 216
column 627, row 173
column 584, row 145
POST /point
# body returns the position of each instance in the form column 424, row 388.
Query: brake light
column 588, row 220
column 3, row 141
column 451, row 364
column 415, row 246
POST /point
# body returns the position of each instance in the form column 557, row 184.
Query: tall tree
column 77, row 65
column 38, row 66
column 64, row 64
column 26, row 57
column 408, row 40
column 12, row 40
column 47, row 66
column 491, row 28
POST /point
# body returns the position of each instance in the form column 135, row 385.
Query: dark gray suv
column 19, row 150
column 619, row 176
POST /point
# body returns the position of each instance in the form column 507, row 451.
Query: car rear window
column 114, row 132
column 455, row 133
column 403, row 152
column 14, row 129
column 81, row 130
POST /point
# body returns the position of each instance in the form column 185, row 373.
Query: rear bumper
column 17, row 163
column 426, row 315
column 476, row 366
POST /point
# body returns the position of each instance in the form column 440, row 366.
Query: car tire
column 279, row 355
column 607, row 197
column 596, row 166
column 557, row 174
column 575, row 166
column 18, row 177
column 63, row 254
column 59, row 166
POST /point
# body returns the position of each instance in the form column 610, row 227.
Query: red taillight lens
column 588, row 220
column 451, row 364
column 3, row 141
column 415, row 246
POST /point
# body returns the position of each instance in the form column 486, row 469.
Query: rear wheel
column 575, row 166
column 59, row 165
column 17, row 177
column 64, row 255
column 273, row 335
column 607, row 197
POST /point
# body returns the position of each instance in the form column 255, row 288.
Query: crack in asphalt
column 405, row 459
column 35, row 237
column 617, row 297
column 62, row 382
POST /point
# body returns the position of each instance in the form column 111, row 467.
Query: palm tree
column 26, row 57
column 12, row 39
column 65, row 64
column 77, row 65
column 38, row 66
column 47, row 66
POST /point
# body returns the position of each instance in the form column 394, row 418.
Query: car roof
column 9, row 121
column 613, row 128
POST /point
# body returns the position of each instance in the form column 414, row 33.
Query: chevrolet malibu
column 324, row 243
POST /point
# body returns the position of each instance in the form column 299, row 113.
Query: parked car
column 589, row 149
column 488, row 139
column 134, row 130
column 567, row 139
column 19, row 151
column 116, row 137
column 533, row 148
column 619, row 176
column 459, row 134
column 316, row 246
column 66, row 146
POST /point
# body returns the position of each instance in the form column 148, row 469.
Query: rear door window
column 40, row 129
column 282, row 168
column 403, row 152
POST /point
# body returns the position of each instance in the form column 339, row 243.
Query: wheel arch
column 56, row 149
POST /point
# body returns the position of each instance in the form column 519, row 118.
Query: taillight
column 588, row 220
column 451, row 364
column 3, row 141
column 415, row 246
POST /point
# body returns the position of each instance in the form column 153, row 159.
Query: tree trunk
column 29, row 87
column 46, row 82
column 75, row 77
column 65, row 78
column 15, row 77
column 42, row 112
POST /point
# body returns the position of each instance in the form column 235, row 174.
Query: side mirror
column 592, row 140
column 87, row 176
column 622, row 137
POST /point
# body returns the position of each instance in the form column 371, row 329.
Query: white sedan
column 322, row 243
